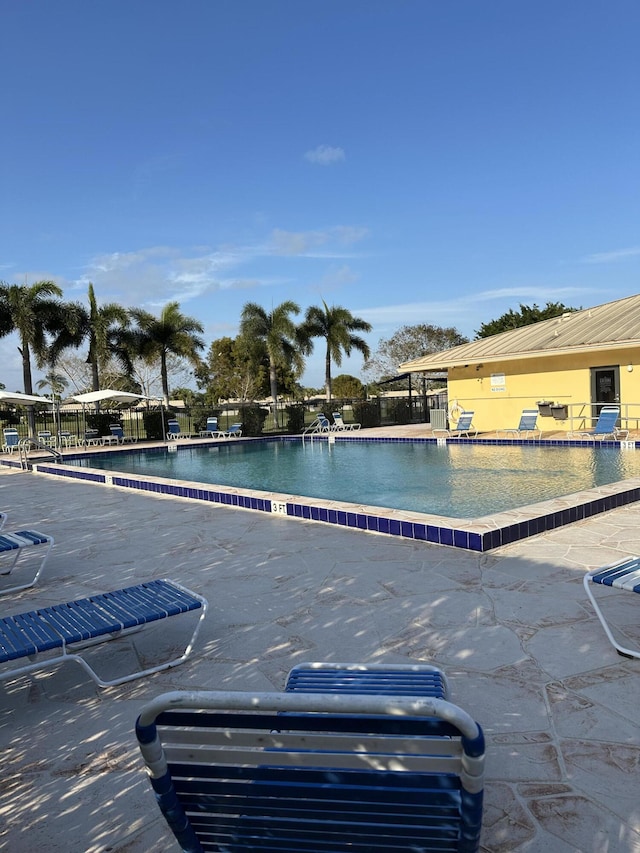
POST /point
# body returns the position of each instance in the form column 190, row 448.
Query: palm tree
column 107, row 333
column 281, row 338
column 36, row 313
column 171, row 333
column 56, row 381
column 337, row 326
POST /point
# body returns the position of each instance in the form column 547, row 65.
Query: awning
column 109, row 394
column 15, row 399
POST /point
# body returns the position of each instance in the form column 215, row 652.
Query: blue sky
column 413, row 161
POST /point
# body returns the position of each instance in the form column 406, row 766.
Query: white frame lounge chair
column 318, row 425
column 66, row 629
column 624, row 576
column 234, row 431
column 46, row 438
column 463, row 428
column 18, row 544
column 174, row 432
column 11, row 439
column 67, row 439
column 211, row 430
column 321, row 772
column 527, row 428
column 118, row 432
column 339, row 424
column 605, row 426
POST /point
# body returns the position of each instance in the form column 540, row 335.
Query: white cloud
column 608, row 257
column 308, row 243
column 324, row 155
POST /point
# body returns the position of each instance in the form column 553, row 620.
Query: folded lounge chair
column 17, row 545
column 340, row 426
column 527, row 427
column 624, row 576
column 65, row 629
column 322, row 772
column 463, row 429
column 605, row 426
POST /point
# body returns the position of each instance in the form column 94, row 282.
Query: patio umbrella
column 15, row 399
column 116, row 396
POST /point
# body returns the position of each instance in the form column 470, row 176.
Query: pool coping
column 478, row 534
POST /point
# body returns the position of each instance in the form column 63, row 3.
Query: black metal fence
column 287, row 418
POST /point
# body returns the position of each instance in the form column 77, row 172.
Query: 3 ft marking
column 278, row 507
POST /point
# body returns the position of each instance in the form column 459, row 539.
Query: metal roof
column 614, row 325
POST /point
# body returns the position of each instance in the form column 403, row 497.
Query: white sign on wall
column 498, row 382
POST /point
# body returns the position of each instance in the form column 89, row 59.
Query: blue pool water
column 461, row 481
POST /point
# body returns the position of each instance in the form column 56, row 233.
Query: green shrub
column 366, row 413
column 253, row 418
column 295, row 419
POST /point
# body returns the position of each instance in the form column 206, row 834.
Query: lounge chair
column 623, row 575
column 340, row 426
column 67, row 439
column 527, row 427
column 211, row 430
column 174, row 431
column 234, row 431
column 319, row 424
column 118, row 432
column 66, row 629
column 10, row 440
column 91, row 437
column 45, row 438
column 18, row 544
column 463, row 429
column 605, row 426
column 321, row 772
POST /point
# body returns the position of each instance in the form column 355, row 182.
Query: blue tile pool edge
column 479, row 535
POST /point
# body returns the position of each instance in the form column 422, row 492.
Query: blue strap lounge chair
column 234, row 431
column 174, row 431
column 10, row 440
column 327, row 772
column 625, row 577
column 605, row 426
column 463, row 429
column 17, row 545
column 54, row 635
column 528, row 426
column 318, row 425
column 340, row 426
column 211, row 430
column 118, row 432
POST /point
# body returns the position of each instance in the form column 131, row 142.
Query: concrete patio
column 512, row 629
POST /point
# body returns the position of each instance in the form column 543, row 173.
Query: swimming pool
column 453, row 480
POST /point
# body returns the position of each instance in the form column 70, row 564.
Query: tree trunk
column 95, row 381
column 327, row 373
column 28, row 385
column 165, row 378
column 273, row 382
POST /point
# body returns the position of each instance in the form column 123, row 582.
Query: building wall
column 498, row 392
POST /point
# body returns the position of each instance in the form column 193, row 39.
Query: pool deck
column 513, row 630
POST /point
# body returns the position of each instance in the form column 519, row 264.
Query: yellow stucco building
column 567, row 367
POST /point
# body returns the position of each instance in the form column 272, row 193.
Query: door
column 605, row 387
